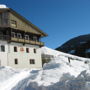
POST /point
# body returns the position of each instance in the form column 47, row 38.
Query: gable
column 23, row 24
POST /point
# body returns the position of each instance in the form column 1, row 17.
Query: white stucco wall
column 3, row 55
column 8, row 57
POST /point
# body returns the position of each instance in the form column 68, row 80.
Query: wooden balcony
column 27, row 41
column 12, row 39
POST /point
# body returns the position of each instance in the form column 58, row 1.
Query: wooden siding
column 21, row 25
column 9, row 15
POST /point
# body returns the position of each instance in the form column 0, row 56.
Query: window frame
column 27, row 50
column 2, row 48
column 15, row 49
column 15, row 61
column 35, row 50
column 32, row 61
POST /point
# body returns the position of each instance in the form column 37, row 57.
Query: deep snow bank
column 6, row 73
column 49, row 51
column 58, row 74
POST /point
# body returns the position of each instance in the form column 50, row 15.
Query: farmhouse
column 19, row 40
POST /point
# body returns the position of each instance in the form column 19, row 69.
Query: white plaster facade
column 7, row 58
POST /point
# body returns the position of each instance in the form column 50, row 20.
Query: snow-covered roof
column 49, row 51
column 3, row 6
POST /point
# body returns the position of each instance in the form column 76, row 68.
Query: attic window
column 13, row 23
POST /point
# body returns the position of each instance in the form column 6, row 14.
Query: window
column 35, row 38
column 27, row 50
column 34, row 50
column 27, row 37
column 2, row 48
column 16, row 61
column 19, row 35
column 15, row 49
column 13, row 23
column 13, row 34
column 32, row 61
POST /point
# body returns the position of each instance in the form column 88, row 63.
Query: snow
column 58, row 74
column 14, row 80
column 3, row 6
column 49, row 51
column 6, row 72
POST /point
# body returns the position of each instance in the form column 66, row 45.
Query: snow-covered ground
column 58, row 74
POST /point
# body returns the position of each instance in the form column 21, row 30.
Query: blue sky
column 60, row 19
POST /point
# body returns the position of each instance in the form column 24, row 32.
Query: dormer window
column 13, row 34
column 19, row 35
column 13, row 23
column 27, row 37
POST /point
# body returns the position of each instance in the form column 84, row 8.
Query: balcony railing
column 27, row 41
column 10, row 39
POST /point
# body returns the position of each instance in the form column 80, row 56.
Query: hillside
column 58, row 74
column 79, row 46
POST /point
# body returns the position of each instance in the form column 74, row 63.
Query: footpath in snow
column 58, row 74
